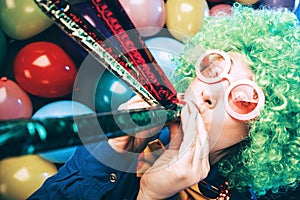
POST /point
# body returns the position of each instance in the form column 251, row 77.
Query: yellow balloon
column 22, row 176
column 23, row 19
column 248, row 2
column 184, row 18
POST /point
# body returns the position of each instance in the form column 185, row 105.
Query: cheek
column 215, row 120
column 223, row 130
column 229, row 133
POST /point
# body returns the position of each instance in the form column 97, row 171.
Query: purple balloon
column 91, row 15
column 279, row 3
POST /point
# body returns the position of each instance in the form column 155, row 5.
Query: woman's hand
column 139, row 141
column 180, row 168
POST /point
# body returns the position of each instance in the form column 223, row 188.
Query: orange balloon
column 14, row 101
column 248, row 2
column 184, row 18
column 22, row 176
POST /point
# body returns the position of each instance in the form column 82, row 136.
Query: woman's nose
column 207, row 98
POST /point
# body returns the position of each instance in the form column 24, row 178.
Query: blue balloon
column 163, row 49
column 279, row 3
column 297, row 11
column 111, row 92
column 62, row 108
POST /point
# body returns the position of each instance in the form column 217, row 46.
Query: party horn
column 29, row 136
column 118, row 22
column 80, row 30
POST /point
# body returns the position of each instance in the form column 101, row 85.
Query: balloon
column 61, row 109
column 220, row 10
column 278, row 4
column 184, row 18
column 147, row 16
column 206, row 9
column 247, row 2
column 21, row 176
column 216, row 1
column 3, row 47
column 14, row 102
column 44, row 69
column 163, row 49
column 21, row 20
column 297, row 12
column 91, row 15
column 111, row 92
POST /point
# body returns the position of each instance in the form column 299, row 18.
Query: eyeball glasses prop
column 243, row 98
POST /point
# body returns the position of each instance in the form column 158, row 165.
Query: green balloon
column 3, row 47
column 22, row 19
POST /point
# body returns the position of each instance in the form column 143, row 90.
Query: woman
column 240, row 120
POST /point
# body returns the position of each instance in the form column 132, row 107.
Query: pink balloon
column 147, row 16
column 220, row 10
column 14, row 102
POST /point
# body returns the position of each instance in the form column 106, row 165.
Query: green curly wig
column 270, row 160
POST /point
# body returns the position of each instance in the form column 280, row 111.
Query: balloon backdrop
column 297, row 12
column 14, row 102
column 148, row 21
column 90, row 14
column 247, row 2
column 216, row 1
column 3, row 47
column 206, row 9
column 61, row 109
column 21, row 176
column 184, row 18
column 111, row 92
column 44, row 69
column 279, row 4
column 163, row 49
column 21, row 20
column 220, row 10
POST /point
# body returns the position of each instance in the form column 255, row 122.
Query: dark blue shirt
column 84, row 177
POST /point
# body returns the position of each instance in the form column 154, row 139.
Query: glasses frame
column 232, row 84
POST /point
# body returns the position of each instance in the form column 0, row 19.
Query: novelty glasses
column 243, row 98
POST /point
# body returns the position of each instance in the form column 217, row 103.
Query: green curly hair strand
column 270, row 39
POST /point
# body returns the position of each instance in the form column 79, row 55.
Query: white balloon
column 163, row 50
column 62, row 108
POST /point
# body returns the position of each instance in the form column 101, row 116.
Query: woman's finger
column 188, row 123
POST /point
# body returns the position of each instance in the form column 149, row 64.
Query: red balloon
column 14, row 102
column 44, row 69
column 220, row 10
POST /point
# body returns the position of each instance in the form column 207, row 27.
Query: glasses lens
column 243, row 99
column 212, row 65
